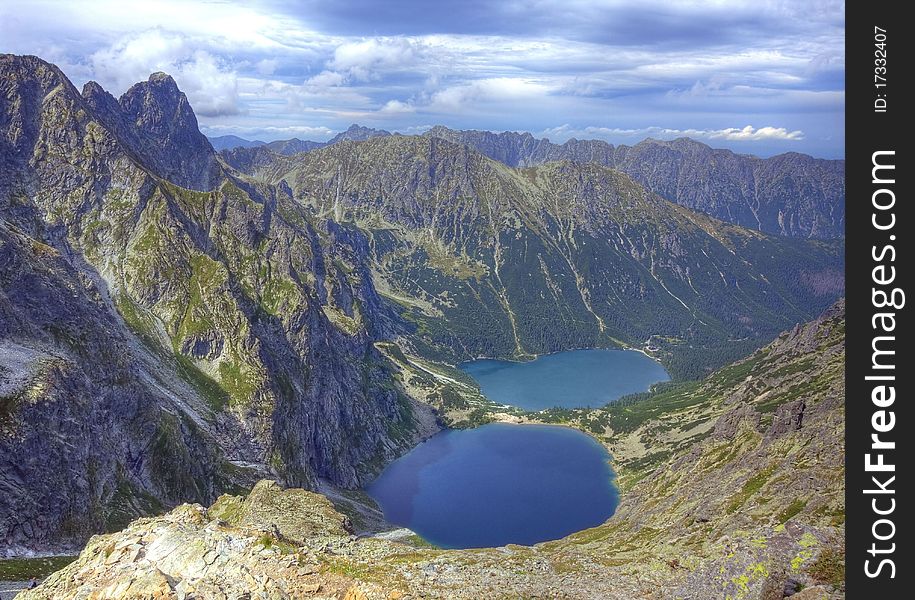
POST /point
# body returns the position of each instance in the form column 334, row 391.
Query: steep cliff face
column 154, row 120
column 747, row 503
column 92, row 433
column 489, row 260
column 246, row 326
column 789, row 194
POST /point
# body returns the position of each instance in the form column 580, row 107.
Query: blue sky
column 759, row 76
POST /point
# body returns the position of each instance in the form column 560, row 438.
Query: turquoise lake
column 499, row 484
column 578, row 378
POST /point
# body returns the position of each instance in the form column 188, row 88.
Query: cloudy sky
column 757, row 76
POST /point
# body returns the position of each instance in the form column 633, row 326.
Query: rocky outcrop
column 185, row 330
column 789, row 194
column 156, row 123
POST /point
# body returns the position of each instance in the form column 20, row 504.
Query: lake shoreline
column 571, row 379
column 498, row 484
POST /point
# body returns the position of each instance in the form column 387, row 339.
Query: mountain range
column 355, row 133
column 199, row 321
column 790, row 194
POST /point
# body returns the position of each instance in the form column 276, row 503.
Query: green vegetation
column 829, row 566
column 208, row 388
column 127, row 503
column 792, row 509
column 140, row 322
column 418, row 542
column 269, row 542
column 752, row 485
column 629, row 414
column 23, row 569
column 280, row 295
column 237, row 381
column 206, row 286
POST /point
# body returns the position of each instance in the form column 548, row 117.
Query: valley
column 182, row 329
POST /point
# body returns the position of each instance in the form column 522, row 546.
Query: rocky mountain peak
column 161, row 110
column 26, row 82
column 156, row 122
column 99, row 99
column 16, row 68
column 358, row 133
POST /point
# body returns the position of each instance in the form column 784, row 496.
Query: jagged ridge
column 790, row 194
column 243, row 327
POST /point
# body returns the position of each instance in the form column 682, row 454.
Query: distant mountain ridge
column 227, row 142
column 356, row 133
column 790, row 194
column 494, row 252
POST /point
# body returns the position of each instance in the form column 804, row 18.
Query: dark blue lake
column 578, row 378
column 499, row 484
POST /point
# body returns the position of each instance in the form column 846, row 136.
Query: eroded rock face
column 87, row 441
column 154, row 119
column 171, row 330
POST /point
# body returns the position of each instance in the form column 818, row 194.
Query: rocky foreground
column 750, row 504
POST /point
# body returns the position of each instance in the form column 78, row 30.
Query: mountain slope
column 751, row 505
column 227, row 142
column 242, row 327
column 493, row 261
column 293, row 146
column 354, row 133
column 275, row 326
column 789, row 194
column 90, row 434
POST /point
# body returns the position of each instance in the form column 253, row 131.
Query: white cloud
column 748, row 133
column 415, row 129
column 267, row 66
column 730, row 134
column 396, row 107
column 494, row 89
column 271, row 132
column 325, row 79
column 276, row 63
column 368, row 59
column 211, row 88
